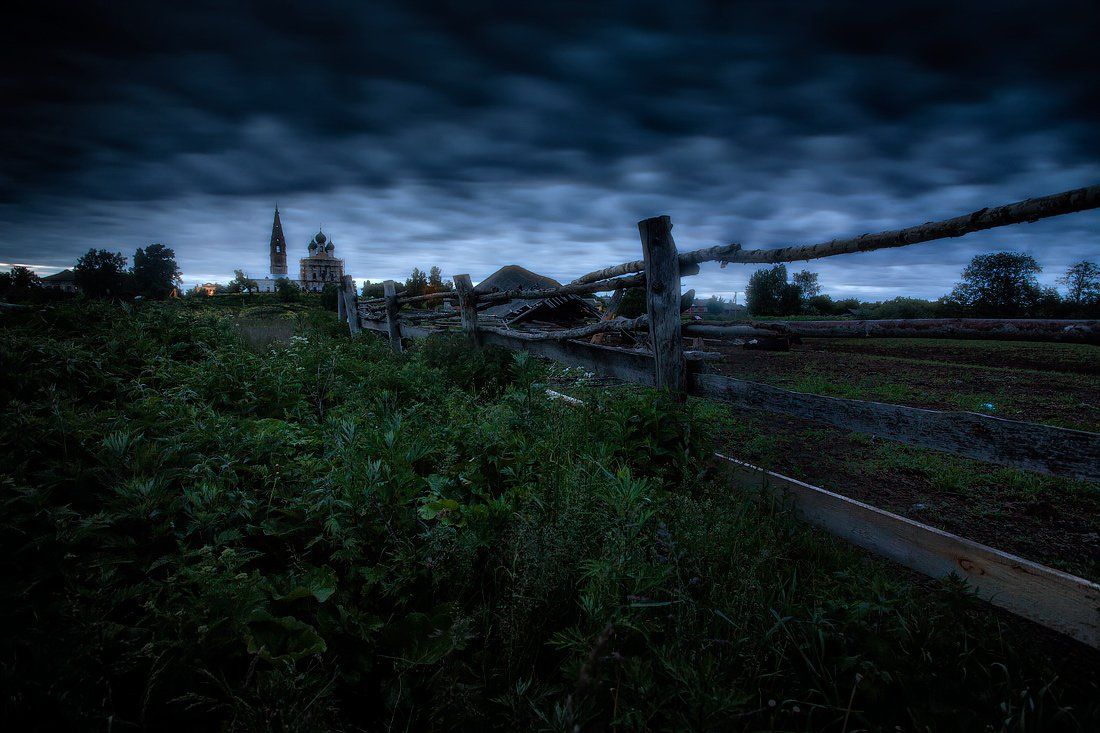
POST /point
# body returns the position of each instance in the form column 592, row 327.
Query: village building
column 320, row 267
column 64, row 281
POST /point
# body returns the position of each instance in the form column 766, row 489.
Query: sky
column 472, row 135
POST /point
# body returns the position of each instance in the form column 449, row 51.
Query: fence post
column 467, row 305
column 350, row 302
column 662, row 287
column 393, row 325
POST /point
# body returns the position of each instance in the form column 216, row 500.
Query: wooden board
column 1050, row 450
column 1057, row 600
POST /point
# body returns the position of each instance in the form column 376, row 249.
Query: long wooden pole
column 662, row 270
column 999, row 329
column 1080, row 199
column 688, row 262
column 633, row 281
column 564, row 334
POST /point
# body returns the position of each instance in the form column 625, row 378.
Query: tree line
column 100, row 273
column 994, row 285
column 418, row 283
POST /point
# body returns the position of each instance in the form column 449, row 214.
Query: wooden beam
column 1080, row 199
column 631, row 365
column 689, row 262
column 612, row 311
column 662, row 269
column 351, row 304
column 393, row 322
column 1057, row 600
column 467, row 306
column 1000, row 329
column 633, row 281
column 566, row 334
column 1041, row 448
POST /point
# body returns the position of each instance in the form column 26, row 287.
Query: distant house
column 207, row 289
column 557, row 309
column 64, row 281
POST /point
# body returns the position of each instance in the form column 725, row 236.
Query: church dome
column 330, row 247
column 320, row 238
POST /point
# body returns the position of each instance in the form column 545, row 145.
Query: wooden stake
column 611, row 312
column 662, row 271
column 393, row 325
column 467, row 306
column 350, row 302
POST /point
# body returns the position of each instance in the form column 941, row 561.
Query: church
column 316, row 270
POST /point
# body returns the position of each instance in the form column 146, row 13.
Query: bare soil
column 1049, row 520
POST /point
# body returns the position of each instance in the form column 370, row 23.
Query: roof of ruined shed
column 510, row 277
column 514, row 276
column 60, row 277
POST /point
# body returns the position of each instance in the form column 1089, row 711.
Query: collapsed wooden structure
column 1068, row 604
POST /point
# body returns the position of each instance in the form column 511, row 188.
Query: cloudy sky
column 475, row 134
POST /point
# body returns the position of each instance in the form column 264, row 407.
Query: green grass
column 204, row 532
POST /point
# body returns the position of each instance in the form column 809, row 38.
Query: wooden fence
column 1065, row 603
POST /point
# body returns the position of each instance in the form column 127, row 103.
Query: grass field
column 242, row 519
column 1054, row 521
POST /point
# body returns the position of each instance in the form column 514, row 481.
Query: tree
column 330, row 296
column 372, row 290
column 435, row 279
column 1082, row 281
column 715, row 305
column 807, row 281
column 769, row 294
column 633, row 303
column 416, row 283
column 23, row 278
column 287, row 290
column 155, row 272
column 821, row 305
column 101, row 274
column 999, row 284
column 241, row 283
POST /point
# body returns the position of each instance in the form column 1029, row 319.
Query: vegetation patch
column 199, row 533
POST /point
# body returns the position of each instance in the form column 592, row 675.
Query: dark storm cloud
column 475, row 134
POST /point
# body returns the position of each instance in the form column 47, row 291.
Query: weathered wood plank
column 566, row 334
column 350, row 300
column 607, row 361
column 393, row 319
column 611, row 312
column 1000, row 329
column 1041, row 448
column 662, row 270
column 467, row 306
column 1057, row 600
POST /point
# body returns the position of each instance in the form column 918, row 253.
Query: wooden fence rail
column 1057, row 600
column 999, row 329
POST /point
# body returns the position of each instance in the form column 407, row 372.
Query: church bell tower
column 278, row 246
